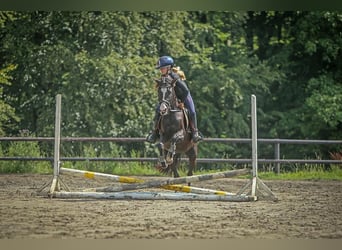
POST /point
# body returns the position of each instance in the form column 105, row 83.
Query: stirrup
column 196, row 137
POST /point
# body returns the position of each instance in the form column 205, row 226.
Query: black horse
column 175, row 136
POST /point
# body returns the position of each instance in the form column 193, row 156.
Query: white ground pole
column 153, row 196
column 257, row 186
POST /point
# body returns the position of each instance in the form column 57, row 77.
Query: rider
column 165, row 65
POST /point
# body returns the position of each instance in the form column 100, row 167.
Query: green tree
column 8, row 118
column 305, row 47
column 103, row 65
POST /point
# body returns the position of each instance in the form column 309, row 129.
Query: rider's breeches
column 189, row 104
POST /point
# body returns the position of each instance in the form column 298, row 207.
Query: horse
column 175, row 137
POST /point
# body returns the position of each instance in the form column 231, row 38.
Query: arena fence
column 276, row 161
column 254, row 161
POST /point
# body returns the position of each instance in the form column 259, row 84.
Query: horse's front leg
column 178, row 137
column 162, row 155
column 170, row 153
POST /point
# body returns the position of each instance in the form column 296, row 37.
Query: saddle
column 186, row 115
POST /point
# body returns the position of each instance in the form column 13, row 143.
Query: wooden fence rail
column 276, row 142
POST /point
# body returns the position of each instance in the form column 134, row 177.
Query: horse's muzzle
column 163, row 108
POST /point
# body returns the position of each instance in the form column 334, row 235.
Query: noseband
column 164, row 107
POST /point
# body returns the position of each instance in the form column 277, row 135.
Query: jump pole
column 152, row 196
column 124, row 179
column 92, row 175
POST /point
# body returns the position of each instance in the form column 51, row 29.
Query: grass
column 310, row 172
column 15, row 149
column 313, row 174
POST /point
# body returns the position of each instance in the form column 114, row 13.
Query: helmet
column 164, row 61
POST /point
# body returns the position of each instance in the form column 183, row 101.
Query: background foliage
column 103, row 65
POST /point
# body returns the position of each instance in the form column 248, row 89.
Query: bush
column 24, row 149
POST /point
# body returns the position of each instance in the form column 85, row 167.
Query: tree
column 102, row 63
column 305, row 47
column 8, row 118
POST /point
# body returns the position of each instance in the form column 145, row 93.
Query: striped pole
column 123, row 179
column 172, row 181
column 195, row 190
column 153, row 196
column 92, row 175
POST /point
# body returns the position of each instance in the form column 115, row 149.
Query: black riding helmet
column 164, row 61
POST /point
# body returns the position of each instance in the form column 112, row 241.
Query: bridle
column 167, row 102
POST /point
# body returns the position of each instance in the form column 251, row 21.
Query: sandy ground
column 305, row 210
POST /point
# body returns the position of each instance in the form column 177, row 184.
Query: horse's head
column 166, row 94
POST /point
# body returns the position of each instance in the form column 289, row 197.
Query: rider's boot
column 153, row 134
column 196, row 137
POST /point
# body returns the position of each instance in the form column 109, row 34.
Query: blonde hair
column 180, row 72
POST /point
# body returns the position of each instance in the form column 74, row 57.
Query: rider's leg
column 153, row 134
column 189, row 103
column 193, row 126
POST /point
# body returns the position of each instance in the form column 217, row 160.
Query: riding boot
column 153, row 134
column 196, row 137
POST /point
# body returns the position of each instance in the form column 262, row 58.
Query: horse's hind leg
column 192, row 155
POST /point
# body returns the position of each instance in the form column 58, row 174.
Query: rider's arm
column 181, row 88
